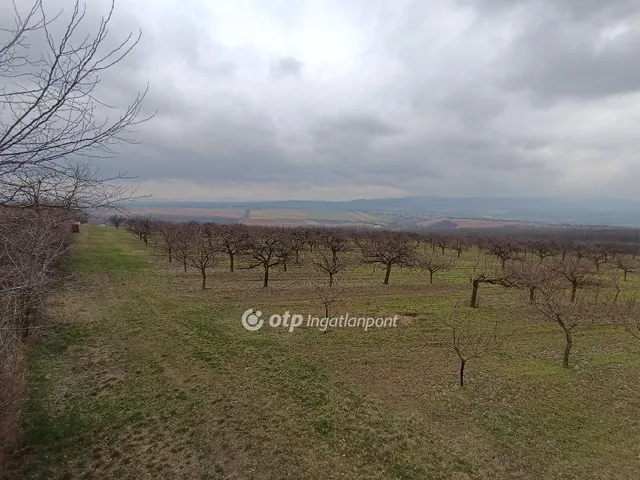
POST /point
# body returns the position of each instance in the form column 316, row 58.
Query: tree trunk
column 625, row 275
column 330, row 280
column 184, row 264
column 462, row 363
column 459, row 253
column 430, row 276
column 532, row 295
column 204, row 278
column 170, row 257
column 266, row 277
column 574, row 288
column 386, row 275
column 567, row 348
column 442, row 248
column 231, row 262
column 326, row 310
column 474, row 294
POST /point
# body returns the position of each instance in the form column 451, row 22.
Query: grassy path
column 142, row 377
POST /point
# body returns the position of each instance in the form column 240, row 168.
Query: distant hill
column 584, row 211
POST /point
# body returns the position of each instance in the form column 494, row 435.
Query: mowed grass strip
column 141, row 375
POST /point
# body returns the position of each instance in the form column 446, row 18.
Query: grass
column 139, row 374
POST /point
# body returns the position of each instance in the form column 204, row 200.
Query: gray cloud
column 314, row 99
column 566, row 49
column 287, row 66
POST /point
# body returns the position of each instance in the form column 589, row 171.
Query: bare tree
column 51, row 120
column 433, row 263
column 580, row 311
column 117, row 220
column 441, row 242
column 200, row 255
column 542, row 249
column 185, row 236
column 267, row 249
column 597, row 256
column 33, row 245
column 460, row 244
column 503, row 249
column 297, row 238
column 529, row 274
column 330, row 256
column 626, row 265
column 485, row 271
column 580, row 249
column 577, row 272
column 232, row 240
column 169, row 232
column 387, row 249
column 50, row 112
column 469, row 339
column 142, row 226
column 328, row 295
column 626, row 314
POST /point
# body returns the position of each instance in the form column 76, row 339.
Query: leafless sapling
column 470, row 339
column 330, row 254
column 328, row 295
column 201, row 256
column 433, row 263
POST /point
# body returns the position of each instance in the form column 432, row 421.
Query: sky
column 345, row 99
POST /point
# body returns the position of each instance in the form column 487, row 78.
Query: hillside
column 140, row 374
column 537, row 210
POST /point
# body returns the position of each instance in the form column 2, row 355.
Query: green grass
column 139, row 374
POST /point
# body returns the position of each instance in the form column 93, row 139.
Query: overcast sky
column 342, row 99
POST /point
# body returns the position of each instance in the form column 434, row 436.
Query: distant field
column 263, row 216
column 473, row 223
column 142, row 375
column 229, row 213
column 292, row 217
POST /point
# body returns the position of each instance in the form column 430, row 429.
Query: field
column 290, row 217
column 140, row 374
